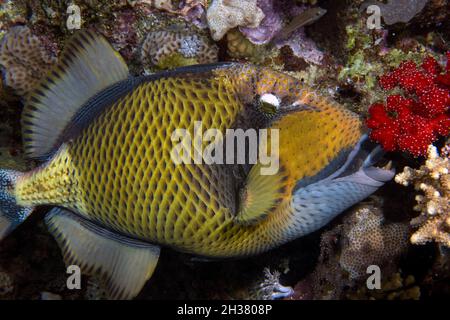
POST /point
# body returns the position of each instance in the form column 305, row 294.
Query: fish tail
column 11, row 213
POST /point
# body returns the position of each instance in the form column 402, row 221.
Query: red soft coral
column 412, row 122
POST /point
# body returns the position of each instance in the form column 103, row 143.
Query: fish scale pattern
column 119, row 171
column 128, row 179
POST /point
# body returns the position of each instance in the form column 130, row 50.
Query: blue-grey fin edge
column 123, row 263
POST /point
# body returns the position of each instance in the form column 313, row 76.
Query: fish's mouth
column 366, row 165
column 381, row 174
column 377, row 168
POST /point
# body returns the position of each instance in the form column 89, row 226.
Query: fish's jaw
column 315, row 205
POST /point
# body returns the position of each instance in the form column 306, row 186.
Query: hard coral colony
column 90, row 139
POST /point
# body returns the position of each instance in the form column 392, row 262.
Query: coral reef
column 433, row 179
column 94, row 291
column 301, row 45
column 6, row 285
column 24, row 59
column 436, row 280
column 339, row 56
column 167, row 49
column 224, row 15
column 270, row 288
column 240, row 47
column 409, row 123
column 397, row 10
column 370, row 240
column 269, row 26
column 395, row 287
column 363, row 238
column 45, row 295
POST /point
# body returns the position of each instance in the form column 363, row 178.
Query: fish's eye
column 269, row 103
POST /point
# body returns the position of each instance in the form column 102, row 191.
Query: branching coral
column 24, row 59
column 166, row 49
column 413, row 122
column 433, row 179
column 225, row 15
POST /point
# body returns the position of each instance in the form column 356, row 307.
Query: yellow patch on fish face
column 310, row 140
column 313, row 129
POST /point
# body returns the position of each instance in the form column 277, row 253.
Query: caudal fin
column 11, row 214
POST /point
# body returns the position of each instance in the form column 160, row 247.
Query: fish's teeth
column 388, row 165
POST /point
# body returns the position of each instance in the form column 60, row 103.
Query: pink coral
column 412, row 122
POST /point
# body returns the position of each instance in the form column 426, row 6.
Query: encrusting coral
column 24, row 59
column 167, row 49
column 412, row 122
column 223, row 15
column 364, row 238
column 191, row 10
column 240, row 47
column 433, row 179
column 370, row 240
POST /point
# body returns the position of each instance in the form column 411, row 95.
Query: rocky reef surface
column 381, row 67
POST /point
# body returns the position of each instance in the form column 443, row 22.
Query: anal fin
column 124, row 264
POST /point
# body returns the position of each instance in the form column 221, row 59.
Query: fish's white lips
column 271, row 99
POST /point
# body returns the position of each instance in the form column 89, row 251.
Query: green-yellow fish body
column 109, row 140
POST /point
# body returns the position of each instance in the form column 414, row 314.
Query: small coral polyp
column 412, row 122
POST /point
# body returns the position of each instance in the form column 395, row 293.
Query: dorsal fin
column 87, row 66
column 260, row 195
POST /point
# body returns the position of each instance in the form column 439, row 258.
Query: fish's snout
column 379, row 174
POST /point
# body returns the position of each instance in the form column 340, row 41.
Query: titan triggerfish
column 105, row 141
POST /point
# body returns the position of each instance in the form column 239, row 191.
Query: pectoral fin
column 260, row 195
column 124, row 264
